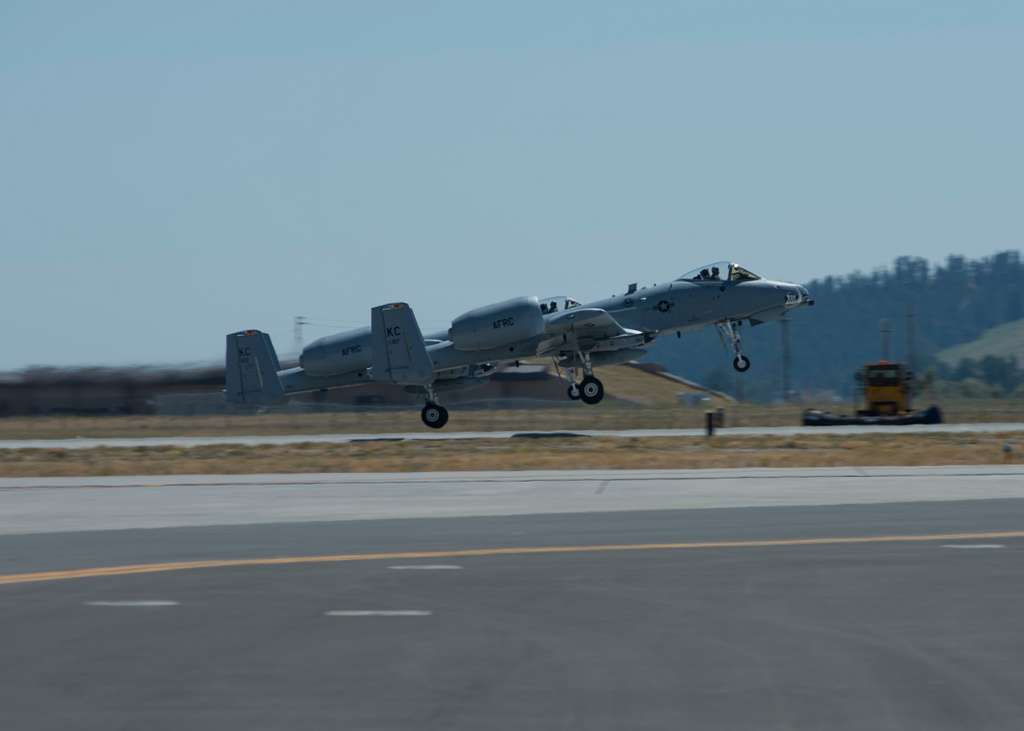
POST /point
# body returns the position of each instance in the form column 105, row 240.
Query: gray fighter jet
column 576, row 336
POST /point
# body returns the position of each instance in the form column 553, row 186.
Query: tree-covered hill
column 1001, row 341
column 947, row 304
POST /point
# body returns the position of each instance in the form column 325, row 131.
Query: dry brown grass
column 517, row 454
column 571, row 416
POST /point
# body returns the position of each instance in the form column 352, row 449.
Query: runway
column 56, row 504
column 718, row 599
column 432, row 435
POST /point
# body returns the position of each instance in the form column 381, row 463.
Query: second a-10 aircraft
column 576, row 336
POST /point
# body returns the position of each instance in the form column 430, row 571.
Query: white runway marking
column 135, row 603
column 379, row 613
column 426, row 567
column 974, row 545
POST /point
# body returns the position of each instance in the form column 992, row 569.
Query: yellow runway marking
column 152, row 568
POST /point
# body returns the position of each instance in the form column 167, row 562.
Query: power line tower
column 297, row 331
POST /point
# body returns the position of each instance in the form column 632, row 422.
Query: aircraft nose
column 797, row 295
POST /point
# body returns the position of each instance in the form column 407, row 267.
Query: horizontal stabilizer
column 250, row 369
column 399, row 353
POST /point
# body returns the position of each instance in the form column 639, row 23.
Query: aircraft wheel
column 434, row 415
column 574, row 392
column 591, row 390
column 741, row 363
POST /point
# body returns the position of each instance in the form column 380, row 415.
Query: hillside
column 950, row 304
column 1002, row 341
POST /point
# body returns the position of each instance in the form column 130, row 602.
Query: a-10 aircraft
column 576, row 336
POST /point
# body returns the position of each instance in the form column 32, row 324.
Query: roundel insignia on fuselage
column 664, row 306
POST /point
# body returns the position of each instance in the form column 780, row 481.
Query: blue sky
column 175, row 171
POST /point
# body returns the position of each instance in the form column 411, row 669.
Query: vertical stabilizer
column 251, row 366
column 399, row 353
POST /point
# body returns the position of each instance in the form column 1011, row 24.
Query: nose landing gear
column 731, row 329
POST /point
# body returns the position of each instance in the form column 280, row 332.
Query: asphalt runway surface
column 800, row 599
column 434, row 435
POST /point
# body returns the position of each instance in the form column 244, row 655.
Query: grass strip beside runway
column 569, row 416
column 811, row 450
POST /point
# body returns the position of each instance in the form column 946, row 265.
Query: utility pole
column 911, row 355
column 786, row 360
column 297, row 332
column 886, row 331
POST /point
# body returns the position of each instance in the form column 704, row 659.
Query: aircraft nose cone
column 797, row 295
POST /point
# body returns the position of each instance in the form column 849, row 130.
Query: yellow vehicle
column 886, row 387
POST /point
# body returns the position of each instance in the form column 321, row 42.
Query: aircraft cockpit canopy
column 720, row 271
column 551, row 305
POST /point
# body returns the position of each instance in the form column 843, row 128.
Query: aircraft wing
column 589, row 330
column 588, row 322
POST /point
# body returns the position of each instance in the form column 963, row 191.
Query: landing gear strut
column 433, row 414
column 731, row 329
column 590, row 390
column 570, row 378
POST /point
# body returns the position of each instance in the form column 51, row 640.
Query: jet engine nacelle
column 341, row 353
column 496, row 325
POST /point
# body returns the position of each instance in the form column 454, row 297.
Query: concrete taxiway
column 751, row 599
column 430, row 435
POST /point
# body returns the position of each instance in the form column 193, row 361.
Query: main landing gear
column 731, row 329
column 433, row 414
column 590, row 390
